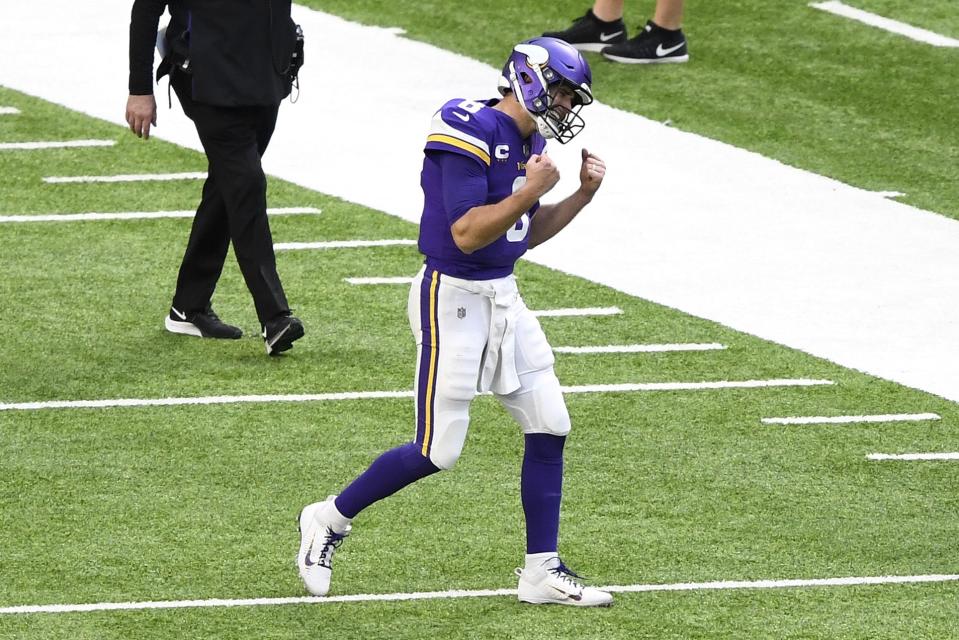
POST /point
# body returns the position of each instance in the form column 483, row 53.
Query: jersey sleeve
column 464, row 185
column 460, row 131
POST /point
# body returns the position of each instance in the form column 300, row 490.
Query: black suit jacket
column 239, row 49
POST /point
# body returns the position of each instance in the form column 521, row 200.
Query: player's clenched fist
column 591, row 173
column 541, row 173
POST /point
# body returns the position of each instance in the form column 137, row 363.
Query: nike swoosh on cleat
column 606, row 37
column 179, row 314
column 277, row 337
column 571, row 596
column 306, row 560
column 660, row 51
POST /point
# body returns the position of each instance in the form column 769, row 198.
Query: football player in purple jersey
column 484, row 172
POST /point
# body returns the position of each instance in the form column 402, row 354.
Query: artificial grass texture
column 199, row 502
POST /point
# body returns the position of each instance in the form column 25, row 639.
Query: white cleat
column 553, row 583
column 318, row 543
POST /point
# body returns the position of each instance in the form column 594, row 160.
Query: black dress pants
column 232, row 208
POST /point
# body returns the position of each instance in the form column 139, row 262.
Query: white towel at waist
column 498, row 368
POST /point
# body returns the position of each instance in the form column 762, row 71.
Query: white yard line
column 886, row 24
column 201, row 400
column 824, row 247
column 642, row 348
column 136, row 215
column 54, row 144
column 137, row 177
column 913, row 456
column 343, row 244
column 724, row 585
column 373, row 395
column 542, row 313
column 890, row 417
column 692, row 386
column 9, row 111
column 585, row 311
column 787, row 584
column 390, row 280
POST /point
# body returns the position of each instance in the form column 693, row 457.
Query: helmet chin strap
column 544, row 129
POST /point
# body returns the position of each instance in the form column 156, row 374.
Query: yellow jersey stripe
column 431, row 378
column 456, row 142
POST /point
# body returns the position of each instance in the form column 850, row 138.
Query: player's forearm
column 482, row 225
column 550, row 219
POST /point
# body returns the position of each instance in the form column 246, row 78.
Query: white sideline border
column 138, row 215
column 723, row 585
column 54, row 144
column 135, row 177
column 889, row 417
column 642, row 348
column 886, row 24
column 372, row 395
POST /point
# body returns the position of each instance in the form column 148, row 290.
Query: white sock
column 331, row 517
column 549, row 559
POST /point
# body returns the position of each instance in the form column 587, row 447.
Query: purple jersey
column 492, row 139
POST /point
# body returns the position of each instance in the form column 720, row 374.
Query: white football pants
column 472, row 336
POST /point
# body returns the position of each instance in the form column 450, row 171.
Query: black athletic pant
column 233, row 206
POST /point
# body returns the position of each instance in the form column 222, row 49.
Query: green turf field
column 183, row 503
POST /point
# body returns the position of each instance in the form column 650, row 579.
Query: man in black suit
column 230, row 64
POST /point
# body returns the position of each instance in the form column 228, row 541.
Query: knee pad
column 539, row 406
column 447, row 444
column 448, row 434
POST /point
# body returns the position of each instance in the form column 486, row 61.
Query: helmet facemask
column 561, row 122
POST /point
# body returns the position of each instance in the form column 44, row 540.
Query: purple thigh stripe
column 429, row 359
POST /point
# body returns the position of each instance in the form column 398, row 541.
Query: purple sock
column 541, row 487
column 388, row 474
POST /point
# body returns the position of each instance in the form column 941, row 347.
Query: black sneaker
column 204, row 324
column 279, row 334
column 652, row 46
column 589, row 33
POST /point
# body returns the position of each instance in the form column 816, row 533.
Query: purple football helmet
column 535, row 68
